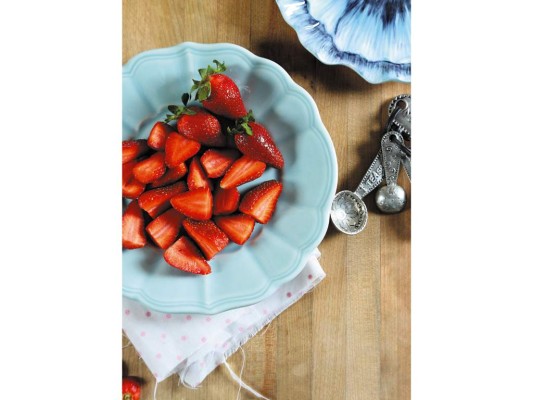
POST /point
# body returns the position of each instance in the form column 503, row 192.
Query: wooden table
column 350, row 337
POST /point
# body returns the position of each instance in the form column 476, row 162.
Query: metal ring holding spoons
column 400, row 115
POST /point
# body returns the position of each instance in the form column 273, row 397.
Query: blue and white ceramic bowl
column 276, row 252
column 373, row 37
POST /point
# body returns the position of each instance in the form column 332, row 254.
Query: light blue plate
column 372, row 37
column 242, row 275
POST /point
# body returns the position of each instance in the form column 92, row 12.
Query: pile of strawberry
column 183, row 179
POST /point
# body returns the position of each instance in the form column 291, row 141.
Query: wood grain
column 350, row 337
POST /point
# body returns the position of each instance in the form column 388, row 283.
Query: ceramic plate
column 242, row 275
column 373, row 37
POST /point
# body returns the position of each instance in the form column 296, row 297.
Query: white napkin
column 193, row 345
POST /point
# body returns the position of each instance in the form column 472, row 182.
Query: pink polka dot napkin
column 193, row 345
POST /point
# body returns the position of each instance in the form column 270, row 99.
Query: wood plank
column 395, row 287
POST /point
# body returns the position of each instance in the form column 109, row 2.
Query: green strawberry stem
column 203, row 86
column 178, row 111
column 241, row 125
column 126, row 396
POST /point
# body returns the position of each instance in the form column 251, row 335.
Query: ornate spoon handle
column 373, row 177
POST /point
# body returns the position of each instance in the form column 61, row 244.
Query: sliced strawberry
column 238, row 227
column 150, row 169
column 209, row 238
column 225, row 201
column 260, row 202
column 179, row 149
column 195, row 204
column 245, row 169
column 257, row 143
column 217, row 162
column 172, row 175
column 197, row 177
column 165, row 229
column 131, row 149
column 131, row 187
column 201, row 126
column 133, row 235
column 184, row 255
column 155, row 201
column 158, row 135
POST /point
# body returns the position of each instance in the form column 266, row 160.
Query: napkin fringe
column 239, row 380
column 242, row 339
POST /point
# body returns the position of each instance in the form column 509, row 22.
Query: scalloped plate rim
column 362, row 71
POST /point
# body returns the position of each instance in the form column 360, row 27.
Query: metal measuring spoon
column 348, row 211
column 391, row 198
column 400, row 115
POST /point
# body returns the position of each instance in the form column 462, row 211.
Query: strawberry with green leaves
column 218, row 93
column 197, row 124
column 254, row 140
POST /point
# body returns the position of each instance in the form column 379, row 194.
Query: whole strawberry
column 254, row 140
column 197, row 124
column 218, row 93
column 131, row 389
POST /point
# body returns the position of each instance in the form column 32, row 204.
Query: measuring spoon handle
column 373, row 177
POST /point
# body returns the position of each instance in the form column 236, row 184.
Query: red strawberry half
column 184, row 255
column 158, row 135
column 131, row 149
column 260, row 202
column 201, row 126
column 197, row 177
column 155, row 201
column 218, row 92
column 225, row 201
column 217, row 162
column 245, row 169
column 133, row 235
column 254, row 140
column 131, row 187
column 172, row 175
column 195, row 204
column 209, row 238
column 165, row 229
column 238, row 227
column 150, row 169
column 179, row 149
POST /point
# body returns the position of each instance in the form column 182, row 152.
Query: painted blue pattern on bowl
column 373, row 37
column 242, row 275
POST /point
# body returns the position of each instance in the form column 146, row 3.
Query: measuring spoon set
column 348, row 211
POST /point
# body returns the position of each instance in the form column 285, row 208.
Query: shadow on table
column 294, row 58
